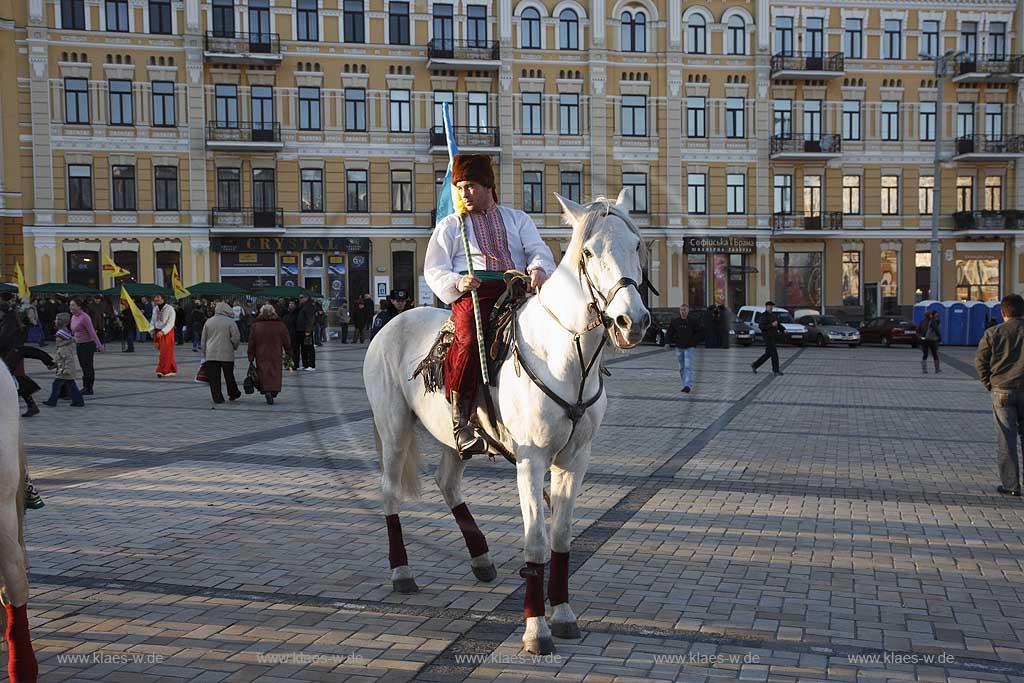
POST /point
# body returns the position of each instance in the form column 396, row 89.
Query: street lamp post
column 941, row 66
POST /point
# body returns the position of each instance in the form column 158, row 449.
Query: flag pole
column 476, row 305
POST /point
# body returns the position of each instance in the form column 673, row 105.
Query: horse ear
column 625, row 200
column 573, row 211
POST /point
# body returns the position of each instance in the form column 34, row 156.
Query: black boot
column 467, row 441
column 937, row 370
column 31, row 407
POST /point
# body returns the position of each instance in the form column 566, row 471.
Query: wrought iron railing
column 990, row 144
column 832, row 220
column 243, row 131
column 444, row 48
column 240, row 43
column 993, row 65
column 807, row 61
column 988, row 220
column 801, row 144
column 467, row 136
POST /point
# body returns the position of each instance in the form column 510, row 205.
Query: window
column 568, row 30
column 637, row 184
column 129, row 260
column 964, row 193
column 570, row 185
column 398, row 23
column 851, row 119
column 165, row 188
column 117, row 15
column 229, row 189
column 925, row 194
column 994, row 120
column 851, row 195
column 476, row 26
column 634, row 115
column 783, row 193
column 444, row 27
column 357, row 191
column 930, row 38
column 697, row 35
column 122, row 181
column 784, row 35
column 76, row 100
column 160, row 17
column 798, row 279
column 72, row 14
column 735, row 110
column 634, row 32
column 890, row 120
column 309, row 108
column 533, row 192
column 479, row 121
column 307, row 20
column 264, row 199
column 83, row 268
column 736, row 193
column 529, row 29
column 997, row 40
column 782, row 118
column 926, row 121
column 812, row 120
column 311, row 194
column 812, row 195
column 851, row 278
column 890, row 195
column 969, row 38
column 892, row 41
column 890, row 281
column 964, row 119
column 259, row 25
column 531, row 113
column 354, row 24
column 355, row 109
column 226, row 97
column 440, row 98
column 569, row 114
column 163, row 103
column 736, row 36
column 696, row 193
column 400, row 118
column 262, row 106
column 814, row 36
column 696, row 118
column 853, row 38
column 993, row 193
column 977, row 279
column 120, row 93
column 223, row 18
column 79, row 187
column 401, row 191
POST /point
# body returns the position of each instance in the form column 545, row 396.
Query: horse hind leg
column 449, row 481
column 21, row 664
column 400, row 479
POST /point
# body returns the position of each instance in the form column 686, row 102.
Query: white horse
column 592, row 297
column 21, row 660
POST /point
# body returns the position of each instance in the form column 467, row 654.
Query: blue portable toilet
column 977, row 313
column 954, row 323
column 922, row 307
column 995, row 310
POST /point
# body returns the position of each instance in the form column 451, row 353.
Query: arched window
column 697, row 35
column 529, row 29
column 568, row 30
column 737, row 36
column 634, row 32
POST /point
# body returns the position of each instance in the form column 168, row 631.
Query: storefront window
column 129, row 260
column 977, row 279
column 84, row 268
column 851, row 278
column 165, row 263
column 697, row 280
column 737, row 281
column 922, row 275
column 798, row 279
column 890, row 282
column 721, row 277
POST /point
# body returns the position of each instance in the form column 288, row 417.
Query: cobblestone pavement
column 838, row 523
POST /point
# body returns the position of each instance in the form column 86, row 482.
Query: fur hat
column 473, row 167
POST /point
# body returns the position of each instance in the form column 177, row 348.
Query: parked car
column 888, row 331
column 741, row 333
column 791, row 331
column 826, row 329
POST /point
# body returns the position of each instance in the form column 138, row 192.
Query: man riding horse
column 501, row 239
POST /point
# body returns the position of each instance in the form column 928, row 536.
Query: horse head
column 607, row 254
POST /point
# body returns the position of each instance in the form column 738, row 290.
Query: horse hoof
column 539, row 646
column 486, row 574
column 405, row 586
column 566, row 630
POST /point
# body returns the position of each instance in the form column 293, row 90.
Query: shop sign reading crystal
column 708, row 244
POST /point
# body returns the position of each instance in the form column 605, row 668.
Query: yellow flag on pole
column 179, row 289
column 140, row 320
column 19, row 277
column 112, row 268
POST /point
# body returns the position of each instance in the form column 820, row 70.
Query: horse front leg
column 565, row 487
column 530, row 478
column 21, row 660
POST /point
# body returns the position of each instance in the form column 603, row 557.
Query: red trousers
column 165, row 344
column 462, row 364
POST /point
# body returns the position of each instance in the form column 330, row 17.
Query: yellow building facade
column 777, row 150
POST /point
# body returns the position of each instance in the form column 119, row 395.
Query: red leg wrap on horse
column 475, row 540
column 396, row 546
column 558, row 582
column 533, row 603
column 21, row 660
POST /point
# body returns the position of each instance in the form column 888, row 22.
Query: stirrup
column 468, row 442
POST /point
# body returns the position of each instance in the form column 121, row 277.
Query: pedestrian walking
column 769, row 325
column 268, row 342
column 320, row 328
column 162, row 325
column 88, row 344
column 344, row 319
column 179, row 324
column 97, row 310
column 724, row 325
column 1000, row 365
column 128, row 329
column 362, row 315
column 196, row 322
column 712, row 335
column 683, row 335
column 290, row 319
column 221, row 338
column 928, row 330
column 66, row 371
column 12, row 343
column 305, row 327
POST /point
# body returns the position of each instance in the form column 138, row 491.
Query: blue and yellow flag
column 448, row 199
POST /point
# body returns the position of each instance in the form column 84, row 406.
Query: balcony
column 244, row 135
column 242, row 48
column 991, row 68
column 807, row 65
column 475, row 55
column 226, row 220
column 795, row 148
column 988, row 220
column 784, row 222
column 988, row 147
column 468, row 138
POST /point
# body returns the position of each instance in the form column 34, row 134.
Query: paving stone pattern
column 838, row 523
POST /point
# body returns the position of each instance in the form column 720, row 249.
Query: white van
column 791, row 331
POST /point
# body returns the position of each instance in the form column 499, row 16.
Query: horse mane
column 598, row 209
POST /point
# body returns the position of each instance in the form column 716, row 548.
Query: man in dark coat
column 770, row 330
column 683, row 334
column 305, row 325
column 128, row 329
column 196, row 321
column 362, row 313
column 712, row 328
